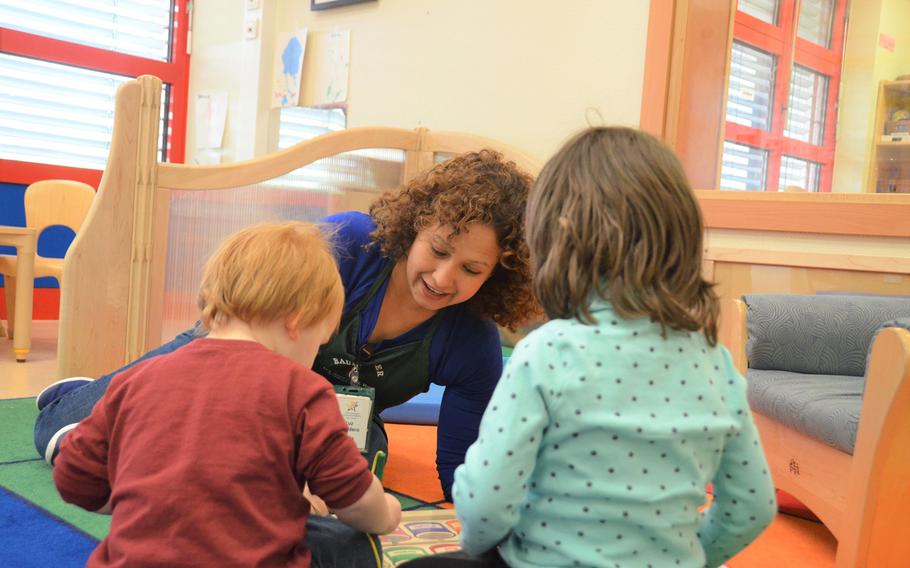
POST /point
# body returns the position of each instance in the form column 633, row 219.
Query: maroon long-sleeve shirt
column 203, row 454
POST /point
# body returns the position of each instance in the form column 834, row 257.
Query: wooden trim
column 656, row 82
column 703, row 79
column 160, row 221
column 248, row 172
column 141, row 259
column 417, row 161
column 732, row 331
column 860, row 263
column 828, row 213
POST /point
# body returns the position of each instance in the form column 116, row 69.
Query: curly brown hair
column 477, row 187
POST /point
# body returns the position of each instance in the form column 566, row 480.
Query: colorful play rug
column 38, row 529
column 422, row 532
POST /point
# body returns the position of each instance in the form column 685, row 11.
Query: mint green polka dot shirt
column 597, row 446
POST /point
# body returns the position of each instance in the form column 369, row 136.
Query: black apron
column 397, row 373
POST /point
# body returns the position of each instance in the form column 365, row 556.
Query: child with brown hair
column 201, row 455
column 611, row 418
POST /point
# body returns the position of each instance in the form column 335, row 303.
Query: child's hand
column 317, row 505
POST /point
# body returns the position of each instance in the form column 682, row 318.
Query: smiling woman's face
column 443, row 271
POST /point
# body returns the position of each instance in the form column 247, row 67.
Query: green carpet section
column 26, row 474
column 18, row 417
column 408, row 503
column 34, row 482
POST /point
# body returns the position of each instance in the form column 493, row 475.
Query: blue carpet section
column 30, row 537
column 423, row 408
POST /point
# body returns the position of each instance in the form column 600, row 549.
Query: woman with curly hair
column 427, row 276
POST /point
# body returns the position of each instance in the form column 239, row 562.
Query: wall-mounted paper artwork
column 211, row 116
column 286, row 68
column 326, row 69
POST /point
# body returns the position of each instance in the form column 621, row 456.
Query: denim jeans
column 334, row 544
column 77, row 404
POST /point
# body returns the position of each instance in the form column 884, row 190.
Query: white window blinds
column 135, row 27
column 751, row 90
column 57, row 114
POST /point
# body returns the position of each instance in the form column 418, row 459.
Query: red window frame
column 175, row 72
column 781, row 41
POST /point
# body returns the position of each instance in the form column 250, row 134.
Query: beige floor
column 27, row 379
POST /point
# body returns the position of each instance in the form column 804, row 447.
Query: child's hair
column 612, row 213
column 476, row 187
column 271, row 271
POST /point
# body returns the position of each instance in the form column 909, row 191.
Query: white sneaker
column 50, row 452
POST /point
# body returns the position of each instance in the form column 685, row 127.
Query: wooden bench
column 864, row 498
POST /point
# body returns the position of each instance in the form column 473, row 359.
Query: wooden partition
column 111, row 308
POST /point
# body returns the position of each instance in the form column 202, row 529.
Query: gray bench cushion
column 827, row 334
column 824, row 407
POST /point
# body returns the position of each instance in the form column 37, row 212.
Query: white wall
column 521, row 71
column 866, row 63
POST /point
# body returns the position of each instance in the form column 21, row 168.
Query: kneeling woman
column 427, row 275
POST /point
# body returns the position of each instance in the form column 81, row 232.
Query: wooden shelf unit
column 890, row 168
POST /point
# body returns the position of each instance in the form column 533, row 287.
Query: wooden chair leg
column 3, row 327
column 9, row 286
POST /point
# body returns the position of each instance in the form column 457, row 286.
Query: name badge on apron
column 356, row 403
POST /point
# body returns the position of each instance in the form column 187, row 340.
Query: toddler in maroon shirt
column 202, row 455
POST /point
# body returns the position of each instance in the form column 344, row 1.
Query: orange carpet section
column 411, row 468
column 788, row 542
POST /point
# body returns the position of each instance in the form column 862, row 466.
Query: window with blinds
column 796, row 174
column 764, row 10
column 815, row 21
column 367, row 170
column 57, row 114
column 297, row 124
column 57, row 89
column 136, row 27
column 781, row 112
column 751, row 91
column 806, row 106
column 743, row 167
